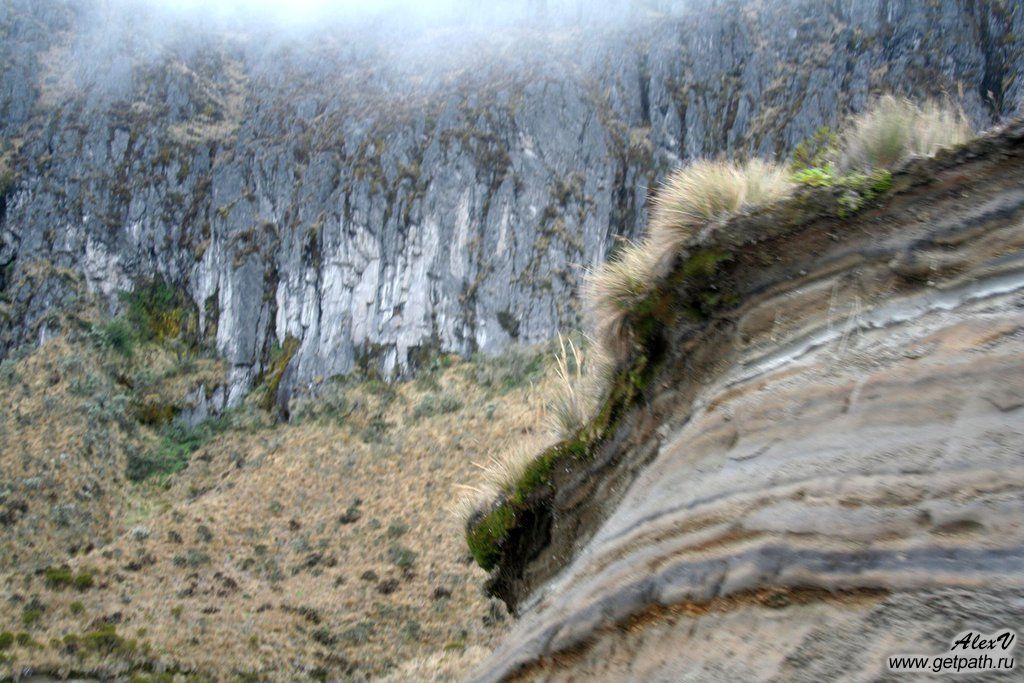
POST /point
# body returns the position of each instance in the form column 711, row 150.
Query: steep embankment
column 380, row 196
column 823, row 472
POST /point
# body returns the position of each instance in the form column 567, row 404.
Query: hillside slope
column 822, row 474
column 320, row 549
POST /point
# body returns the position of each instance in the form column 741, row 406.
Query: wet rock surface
column 378, row 201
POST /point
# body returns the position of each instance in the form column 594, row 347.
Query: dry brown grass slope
column 321, row 549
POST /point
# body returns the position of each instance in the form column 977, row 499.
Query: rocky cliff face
column 380, row 198
column 823, row 474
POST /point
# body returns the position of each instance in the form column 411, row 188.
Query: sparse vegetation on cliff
column 632, row 297
column 895, row 129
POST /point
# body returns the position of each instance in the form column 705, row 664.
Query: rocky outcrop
column 381, row 195
column 826, row 472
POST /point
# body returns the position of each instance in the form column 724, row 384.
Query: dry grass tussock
column 582, row 378
column 613, row 290
column 895, row 129
column 692, row 198
column 707, row 191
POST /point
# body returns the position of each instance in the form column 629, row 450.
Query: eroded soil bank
column 825, row 473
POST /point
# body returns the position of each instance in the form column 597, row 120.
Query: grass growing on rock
column 894, row 129
column 703, row 192
column 633, row 296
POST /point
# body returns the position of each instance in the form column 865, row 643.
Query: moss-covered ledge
column 490, row 532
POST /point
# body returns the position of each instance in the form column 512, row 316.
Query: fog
column 307, row 11
column 109, row 39
column 317, row 13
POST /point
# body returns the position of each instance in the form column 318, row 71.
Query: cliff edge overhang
column 753, row 296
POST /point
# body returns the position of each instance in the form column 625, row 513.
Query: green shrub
column 105, row 640
column 823, row 176
column 76, row 607
column 83, row 581
column 178, row 442
column 116, row 335
column 58, row 577
column 25, row 640
column 816, row 151
column 6, row 640
column 30, row 615
column 169, row 456
column 63, row 577
column 401, row 557
column 105, row 406
column 397, row 529
column 192, row 559
column 433, row 404
column 158, row 312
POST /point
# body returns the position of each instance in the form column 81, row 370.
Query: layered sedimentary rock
column 825, row 473
column 381, row 195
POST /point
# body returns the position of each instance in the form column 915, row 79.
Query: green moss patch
column 280, row 356
column 486, row 535
column 856, row 190
column 104, row 640
column 158, row 312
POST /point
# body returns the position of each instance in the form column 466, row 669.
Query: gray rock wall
column 383, row 194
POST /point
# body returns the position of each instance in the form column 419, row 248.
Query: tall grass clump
column 582, row 378
column 704, row 192
column 895, row 129
column 692, row 198
column 615, row 289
